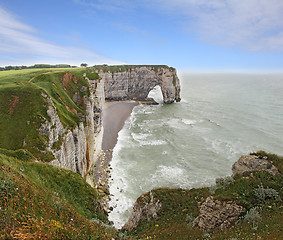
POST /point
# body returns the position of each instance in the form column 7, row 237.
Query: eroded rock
column 143, row 209
column 215, row 214
column 250, row 163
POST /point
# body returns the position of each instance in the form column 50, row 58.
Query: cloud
column 20, row 44
column 255, row 25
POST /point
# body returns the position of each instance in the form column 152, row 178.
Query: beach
column 115, row 115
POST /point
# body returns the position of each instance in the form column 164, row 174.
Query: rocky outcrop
column 78, row 147
column 250, row 163
column 135, row 83
column 215, row 214
column 146, row 207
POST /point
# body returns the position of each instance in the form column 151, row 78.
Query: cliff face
column 80, row 146
column 135, row 82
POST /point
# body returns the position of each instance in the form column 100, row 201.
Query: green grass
column 42, row 201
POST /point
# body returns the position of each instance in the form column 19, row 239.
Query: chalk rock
column 136, row 83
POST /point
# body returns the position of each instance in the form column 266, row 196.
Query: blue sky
column 191, row 35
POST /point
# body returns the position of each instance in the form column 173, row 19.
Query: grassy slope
column 23, row 109
column 179, row 208
column 39, row 200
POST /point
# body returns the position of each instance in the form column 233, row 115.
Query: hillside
column 42, row 201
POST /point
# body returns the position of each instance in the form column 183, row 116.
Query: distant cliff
column 128, row 82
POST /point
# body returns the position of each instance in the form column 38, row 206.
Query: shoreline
column 115, row 115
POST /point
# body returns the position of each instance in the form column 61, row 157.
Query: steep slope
column 42, row 201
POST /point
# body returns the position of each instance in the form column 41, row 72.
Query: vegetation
column 42, row 201
column 124, row 68
column 35, row 66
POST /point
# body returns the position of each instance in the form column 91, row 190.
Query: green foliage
column 252, row 215
column 222, row 183
column 22, row 154
column 42, row 201
column 263, row 193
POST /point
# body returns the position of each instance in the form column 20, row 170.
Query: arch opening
column 156, row 94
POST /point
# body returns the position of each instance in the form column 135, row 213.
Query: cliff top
column 124, row 68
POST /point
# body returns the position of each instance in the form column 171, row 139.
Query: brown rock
column 250, row 163
column 215, row 214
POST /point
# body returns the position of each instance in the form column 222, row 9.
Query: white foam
column 191, row 121
column 153, row 143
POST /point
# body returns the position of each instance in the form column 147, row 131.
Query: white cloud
column 252, row 24
column 255, row 25
column 21, row 45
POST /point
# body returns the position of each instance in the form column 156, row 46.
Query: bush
column 221, row 183
column 263, row 193
column 252, row 215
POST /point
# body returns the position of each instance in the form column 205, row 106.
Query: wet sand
column 115, row 115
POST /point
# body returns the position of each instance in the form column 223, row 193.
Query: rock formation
column 250, row 163
column 215, row 214
column 143, row 208
column 135, row 83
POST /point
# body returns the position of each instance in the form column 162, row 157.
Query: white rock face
column 80, row 146
column 137, row 82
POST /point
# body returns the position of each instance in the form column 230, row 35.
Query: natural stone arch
column 135, row 83
column 156, row 94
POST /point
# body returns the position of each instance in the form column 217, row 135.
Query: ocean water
column 191, row 143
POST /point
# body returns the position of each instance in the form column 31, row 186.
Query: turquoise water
column 189, row 144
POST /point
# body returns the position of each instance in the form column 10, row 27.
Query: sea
column 191, row 143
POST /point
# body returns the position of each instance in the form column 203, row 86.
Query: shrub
column 252, row 215
column 221, row 183
column 263, row 193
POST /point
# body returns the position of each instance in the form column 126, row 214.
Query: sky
column 190, row 35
